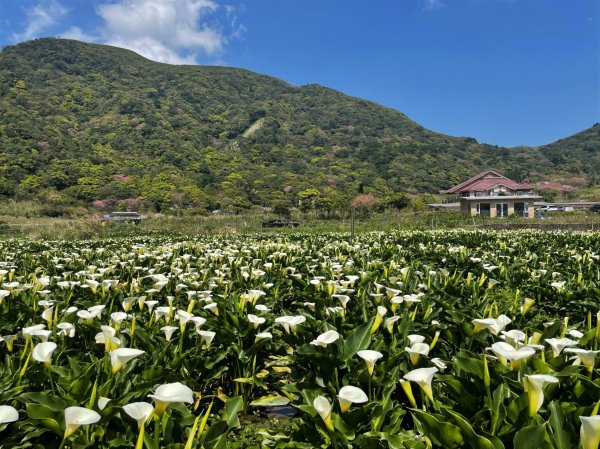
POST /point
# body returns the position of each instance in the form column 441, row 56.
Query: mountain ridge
column 83, row 123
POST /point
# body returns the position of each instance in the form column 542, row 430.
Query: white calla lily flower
column 103, row 402
column 575, row 334
column 8, row 414
column 414, row 338
column 66, row 329
column 534, row 387
column 349, row 395
column 198, row 321
column 120, row 356
column 9, row 340
column 343, row 299
column 370, row 357
column 558, row 344
column 506, row 352
column 78, row 416
column 290, row 323
column 255, row 320
column 381, row 311
column 513, row 337
column 389, row 323
column 323, row 408
column 183, row 317
column 118, row 317
column 423, row 377
column 168, row 393
column 589, row 433
column 494, row 325
column 42, row 352
column 208, row 337
column 140, row 411
column 416, row 351
column 584, row 356
column 439, row 364
column 326, row 338
column 213, row 307
column 264, row 335
column 3, row 294
column 29, row 332
column 168, row 330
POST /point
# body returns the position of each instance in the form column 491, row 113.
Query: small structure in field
column 490, row 194
column 280, row 223
column 127, row 217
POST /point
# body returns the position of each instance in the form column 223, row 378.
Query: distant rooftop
column 485, row 181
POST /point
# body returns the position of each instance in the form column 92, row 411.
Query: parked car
column 127, row 217
column 548, row 208
column 595, row 208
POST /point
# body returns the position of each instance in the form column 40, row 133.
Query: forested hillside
column 90, row 124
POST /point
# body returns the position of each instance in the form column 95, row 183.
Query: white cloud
column 433, row 4
column 45, row 14
column 153, row 49
column 77, row 34
column 172, row 31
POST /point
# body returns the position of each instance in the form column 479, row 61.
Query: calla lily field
column 405, row 339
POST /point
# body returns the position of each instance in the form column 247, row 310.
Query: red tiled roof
column 485, row 181
column 488, row 183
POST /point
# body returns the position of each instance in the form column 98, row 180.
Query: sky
column 507, row 72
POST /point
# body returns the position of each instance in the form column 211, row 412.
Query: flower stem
column 157, row 433
column 140, row 440
column 51, row 382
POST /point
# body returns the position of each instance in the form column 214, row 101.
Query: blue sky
column 506, row 72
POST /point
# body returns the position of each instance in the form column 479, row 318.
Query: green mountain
column 83, row 123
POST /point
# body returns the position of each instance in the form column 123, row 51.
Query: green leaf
column 498, row 408
column 326, row 361
column 359, row 339
column 216, row 436
column 394, row 441
column 342, row 427
column 382, row 408
column 233, row 406
column 45, row 415
column 473, row 440
column 530, row 437
column 561, row 434
column 272, row 400
column 468, row 364
column 518, row 411
column 444, row 434
column 54, row 403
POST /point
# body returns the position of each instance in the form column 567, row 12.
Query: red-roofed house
column 492, row 195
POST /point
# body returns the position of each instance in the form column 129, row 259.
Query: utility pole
column 352, row 225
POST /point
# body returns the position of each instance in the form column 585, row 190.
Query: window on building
column 522, row 209
column 502, row 210
column 483, row 209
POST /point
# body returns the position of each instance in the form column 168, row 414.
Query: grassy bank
column 76, row 228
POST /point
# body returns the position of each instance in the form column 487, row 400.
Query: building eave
column 500, row 198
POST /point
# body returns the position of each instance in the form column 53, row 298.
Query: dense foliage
column 397, row 340
column 81, row 123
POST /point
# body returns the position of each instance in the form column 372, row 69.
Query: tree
column 281, row 209
column 365, row 204
column 308, row 198
column 397, row 200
